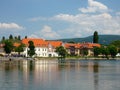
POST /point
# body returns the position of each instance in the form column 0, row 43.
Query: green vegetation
column 95, row 37
column 8, row 47
column 61, row 52
column 31, row 50
column 97, row 51
column 20, row 48
column 103, row 39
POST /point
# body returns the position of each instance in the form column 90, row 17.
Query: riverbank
column 55, row 58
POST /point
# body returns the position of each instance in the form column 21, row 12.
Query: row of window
column 38, row 49
column 43, row 54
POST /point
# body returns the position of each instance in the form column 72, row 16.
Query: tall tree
column 19, row 38
column 3, row 39
column 25, row 37
column 10, row 37
column 31, row 50
column 8, row 47
column 95, row 37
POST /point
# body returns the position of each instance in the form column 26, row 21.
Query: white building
column 42, row 48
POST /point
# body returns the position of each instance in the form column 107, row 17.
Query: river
column 57, row 75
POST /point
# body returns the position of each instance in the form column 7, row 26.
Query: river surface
column 57, row 75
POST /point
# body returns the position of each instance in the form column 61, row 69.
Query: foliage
column 85, row 52
column 8, row 47
column 71, row 42
column 103, row 39
column 10, row 37
column 95, row 37
column 104, row 51
column 61, row 51
column 25, row 37
column 97, row 51
column 112, row 50
column 20, row 48
column 31, row 47
column 116, row 43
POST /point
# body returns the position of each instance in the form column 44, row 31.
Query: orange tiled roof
column 55, row 43
column 16, row 44
column 37, row 42
column 68, row 45
column 89, row 45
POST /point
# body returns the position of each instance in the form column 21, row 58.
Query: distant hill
column 103, row 39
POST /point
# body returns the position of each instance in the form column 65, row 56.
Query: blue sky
column 55, row 19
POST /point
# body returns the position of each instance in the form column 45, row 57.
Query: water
column 54, row 75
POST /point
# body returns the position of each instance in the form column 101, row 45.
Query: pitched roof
column 16, row 44
column 89, row 45
column 55, row 43
column 68, row 45
column 37, row 42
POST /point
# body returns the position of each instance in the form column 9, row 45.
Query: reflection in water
column 96, row 78
column 55, row 75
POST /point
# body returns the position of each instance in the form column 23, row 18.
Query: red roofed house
column 78, row 49
column 42, row 48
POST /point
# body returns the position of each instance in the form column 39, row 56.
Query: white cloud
column 38, row 19
column 84, row 23
column 46, row 33
column 94, row 6
column 10, row 26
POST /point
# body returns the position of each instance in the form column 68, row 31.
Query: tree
column 10, row 37
column 61, row 51
column 97, row 51
column 85, row 52
column 116, row 43
column 31, row 47
column 112, row 50
column 105, row 51
column 8, row 47
column 25, row 37
column 3, row 39
column 95, row 37
column 19, row 38
column 20, row 48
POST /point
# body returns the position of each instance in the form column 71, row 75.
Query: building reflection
column 43, row 72
column 96, row 75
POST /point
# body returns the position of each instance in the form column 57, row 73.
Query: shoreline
column 54, row 58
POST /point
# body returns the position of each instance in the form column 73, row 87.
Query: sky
column 57, row 19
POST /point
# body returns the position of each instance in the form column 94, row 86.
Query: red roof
column 42, row 43
column 68, row 45
column 90, row 45
column 37, row 42
column 55, row 43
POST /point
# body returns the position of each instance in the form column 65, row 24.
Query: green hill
column 103, row 39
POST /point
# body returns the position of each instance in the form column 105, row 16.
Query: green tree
column 3, row 39
column 97, row 51
column 20, row 48
column 116, row 43
column 10, row 37
column 85, row 52
column 95, row 37
column 25, row 37
column 61, row 51
column 112, row 50
column 105, row 51
column 19, row 37
column 8, row 47
column 31, row 50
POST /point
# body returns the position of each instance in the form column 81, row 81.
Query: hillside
column 103, row 39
